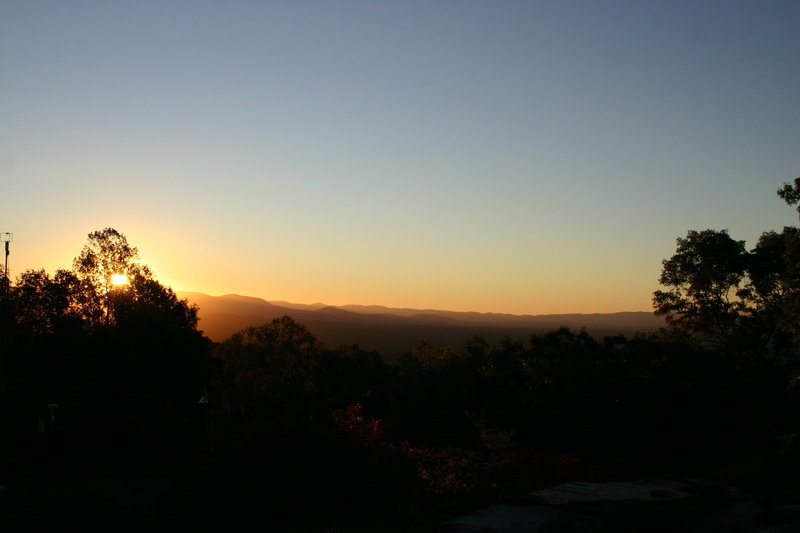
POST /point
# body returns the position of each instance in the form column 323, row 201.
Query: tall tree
column 106, row 258
column 773, row 289
column 269, row 373
column 120, row 351
column 115, row 287
column 702, row 280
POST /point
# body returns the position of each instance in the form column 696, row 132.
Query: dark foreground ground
column 663, row 504
column 117, row 483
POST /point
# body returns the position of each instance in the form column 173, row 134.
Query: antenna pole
column 6, row 239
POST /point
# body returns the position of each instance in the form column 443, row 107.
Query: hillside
column 395, row 331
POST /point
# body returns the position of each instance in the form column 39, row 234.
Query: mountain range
column 394, row 331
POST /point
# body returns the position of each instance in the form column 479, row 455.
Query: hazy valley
column 393, row 331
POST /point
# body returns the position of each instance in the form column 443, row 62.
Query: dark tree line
column 292, row 428
column 714, row 392
column 86, row 355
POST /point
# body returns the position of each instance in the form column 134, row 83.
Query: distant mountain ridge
column 395, row 330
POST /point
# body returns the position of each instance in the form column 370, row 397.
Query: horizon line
column 342, row 306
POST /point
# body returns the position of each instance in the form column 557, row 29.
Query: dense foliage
column 291, row 432
column 86, row 355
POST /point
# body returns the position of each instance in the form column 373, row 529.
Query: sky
column 526, row 157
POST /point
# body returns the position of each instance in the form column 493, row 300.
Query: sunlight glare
column 119, row 279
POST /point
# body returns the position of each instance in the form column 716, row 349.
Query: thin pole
column 4, row 330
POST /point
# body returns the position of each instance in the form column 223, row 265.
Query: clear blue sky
column 509, row 156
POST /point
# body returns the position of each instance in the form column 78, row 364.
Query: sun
column 119, row 279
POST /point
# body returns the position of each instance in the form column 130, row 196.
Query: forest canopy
column 271, row 424
column 75, row 334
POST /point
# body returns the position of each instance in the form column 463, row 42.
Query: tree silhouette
column 127, row 356
column 268, row 376
column 43, row 304
column 105, row 255
column 773, row 289
column 717, row 291
column 791, row 193
column 703, row 278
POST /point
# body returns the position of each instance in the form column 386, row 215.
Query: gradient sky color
column 507, row 156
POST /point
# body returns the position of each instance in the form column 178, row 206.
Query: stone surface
column 615, row 491
column 664, row 504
